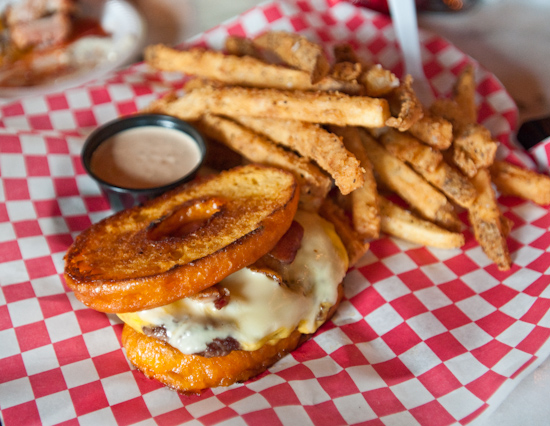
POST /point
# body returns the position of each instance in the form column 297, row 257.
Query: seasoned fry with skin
column 520, row 182
column 410, row 186
column 433, row 130
column 452, row 183
column 378, row 81
column 464, row 92
column 461, row 110
column 403, row 224
column 364, row 200
column 356, row 246
column 473, row 148
column 296, row 51
column 315, row 143
column 314, row 107
column 346, row 71
column 507, row 225
column 404, row 105
column 347, row 65
column 239, row 70
column 486, row 221
column 449, row 110
column 188, row 107
column 473, row 145
column 409, row 149
column 314, row 184
column 198, row 83
column 241, row 46
column 344, row 52
column 429, row 163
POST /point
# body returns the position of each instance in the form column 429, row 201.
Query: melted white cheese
column 260, row 310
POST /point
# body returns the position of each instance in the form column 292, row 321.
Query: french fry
column 429, row 163
column 344, row 52
column 356, row 246
column 346, row 71
column 403, row 224
column 452, row 183
column 473, row 151
column 315, row 143
column 486, row 221
column 520, row 182
column 199, row 83
column 433, row 130
column 314, row 107
column 400, row 178
column 314, row 184
column 239, row 70
column 473, row 148
column 296, row 51
column 364, row 200
column 464, row 94
column 461, row 110
column 241, row 46
column 404, row 105
column 507, row 225
column 410, row 150
column 449, row 110
column 378, row 81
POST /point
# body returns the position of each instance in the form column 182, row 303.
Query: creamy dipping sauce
column 145, row 157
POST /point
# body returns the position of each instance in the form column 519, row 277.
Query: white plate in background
column 127, row 30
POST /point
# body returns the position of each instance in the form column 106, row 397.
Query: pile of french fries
column 366, row 153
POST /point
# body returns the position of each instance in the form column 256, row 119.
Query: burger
column 214, row 281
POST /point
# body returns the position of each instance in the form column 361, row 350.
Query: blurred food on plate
column 41, row 40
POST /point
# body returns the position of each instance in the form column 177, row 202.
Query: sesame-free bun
column 194, row 373
column 183, row 241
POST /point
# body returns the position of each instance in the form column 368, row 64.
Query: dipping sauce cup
column 138, row 157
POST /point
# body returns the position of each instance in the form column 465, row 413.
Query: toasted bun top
column 183, row 241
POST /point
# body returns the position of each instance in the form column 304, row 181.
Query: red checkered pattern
column 541, row 153
column 423, row 336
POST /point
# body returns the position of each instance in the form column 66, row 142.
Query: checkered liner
column 424, row 336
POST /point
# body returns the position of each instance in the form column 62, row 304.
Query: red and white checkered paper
column 424, row 336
